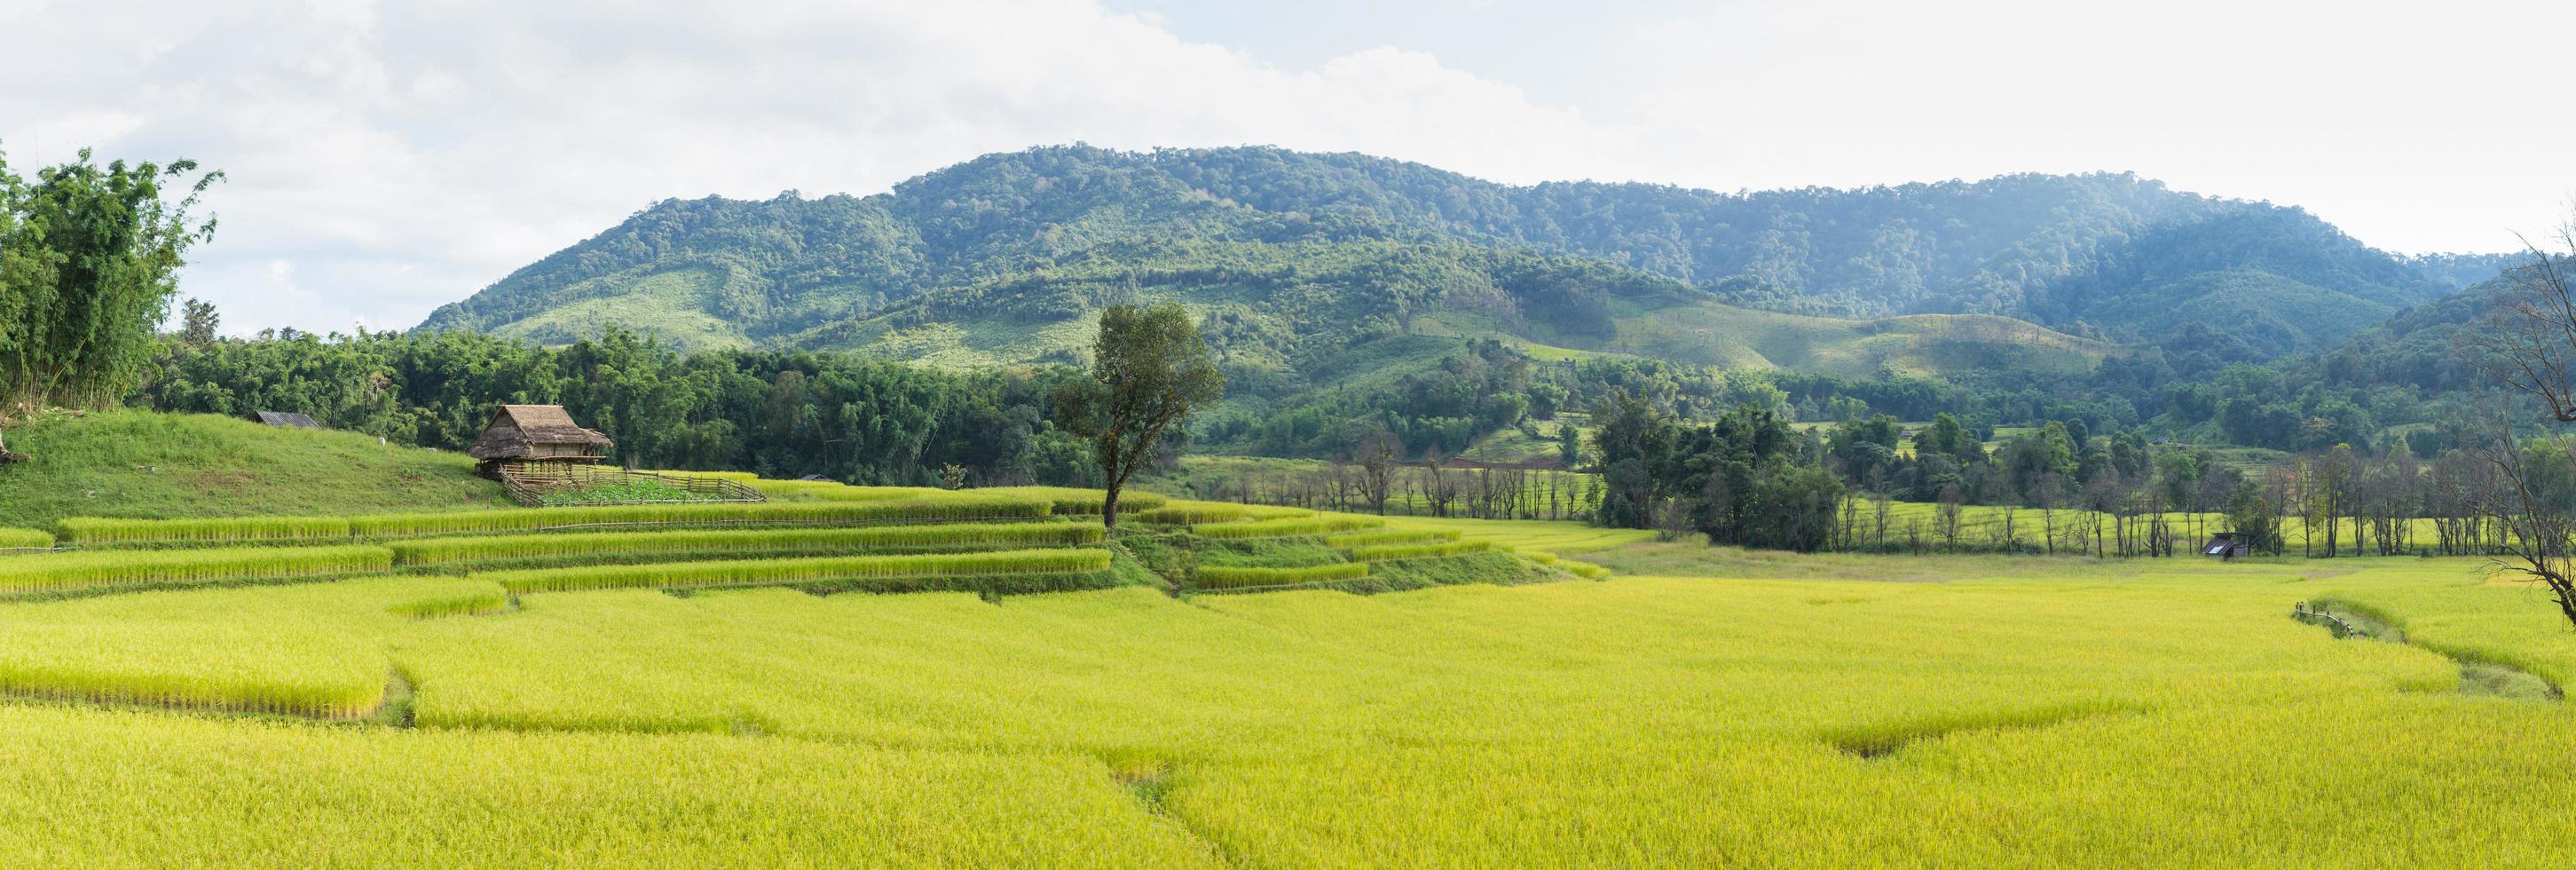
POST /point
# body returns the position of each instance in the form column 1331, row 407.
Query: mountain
column 999, row 258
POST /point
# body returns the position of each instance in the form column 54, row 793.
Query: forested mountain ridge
column 2111, row 256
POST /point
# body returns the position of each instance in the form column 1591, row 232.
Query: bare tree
column 2528, row 344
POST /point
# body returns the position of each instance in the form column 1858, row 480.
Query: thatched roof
column 517, row 430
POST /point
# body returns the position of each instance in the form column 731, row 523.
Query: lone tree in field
column 1149, row 370
column 2529, row 344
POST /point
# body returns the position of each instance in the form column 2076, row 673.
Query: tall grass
column 83, row 570
column 24, row 538
column 1238, row 577
column 100, row 531
column 781, row 571
column 431, row 551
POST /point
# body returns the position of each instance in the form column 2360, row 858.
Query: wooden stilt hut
column 536, row 435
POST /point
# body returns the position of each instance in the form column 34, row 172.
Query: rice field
column 682, row 708
column 684, row 543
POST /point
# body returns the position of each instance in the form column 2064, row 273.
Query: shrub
column 779, row 571
column 672, row 542
column 102, row 531
column 68, row 571
column 1232, row 577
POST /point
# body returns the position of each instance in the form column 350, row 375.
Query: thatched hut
column 535, row 434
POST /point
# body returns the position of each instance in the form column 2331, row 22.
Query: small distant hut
column 288, row 420
column 2227, row 545
column 536, row 435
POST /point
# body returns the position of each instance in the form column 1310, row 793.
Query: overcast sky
column 385, row 159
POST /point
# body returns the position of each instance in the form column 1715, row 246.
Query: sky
column 383, row 159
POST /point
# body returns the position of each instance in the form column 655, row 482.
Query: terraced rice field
column 459, row 704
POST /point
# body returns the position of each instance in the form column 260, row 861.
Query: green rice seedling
column 783, row 571
column 61, row 572
column 97, row 531
column 1236, row 577
column 25, row 538
column 434, row 551
column 1287, row 526
column 1387, row 552
column 1391, row 536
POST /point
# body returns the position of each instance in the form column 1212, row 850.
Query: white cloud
column 400, row 156
column 385, row 160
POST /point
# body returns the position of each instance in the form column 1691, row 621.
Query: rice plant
column 946, row 507
column 1238, row 577
column 1391, row 536
column 433, row 551
column 1189, row 514
column 1386, row 552
column 95, row 531
column 61, row 572
column 1286, row 527
column 1071, row 501
column 25, row 539
column 478, row 599
column 782, row 571
column 312, row 649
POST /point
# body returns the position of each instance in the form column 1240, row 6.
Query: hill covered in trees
column 1000, row 258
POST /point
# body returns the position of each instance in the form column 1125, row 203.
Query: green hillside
column 974, row 263
column 148, row 465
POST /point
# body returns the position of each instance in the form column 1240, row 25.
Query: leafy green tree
column 1149, row 371
column 88, row 261
column 198, row 322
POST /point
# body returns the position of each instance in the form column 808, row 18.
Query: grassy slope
column 143, row 464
